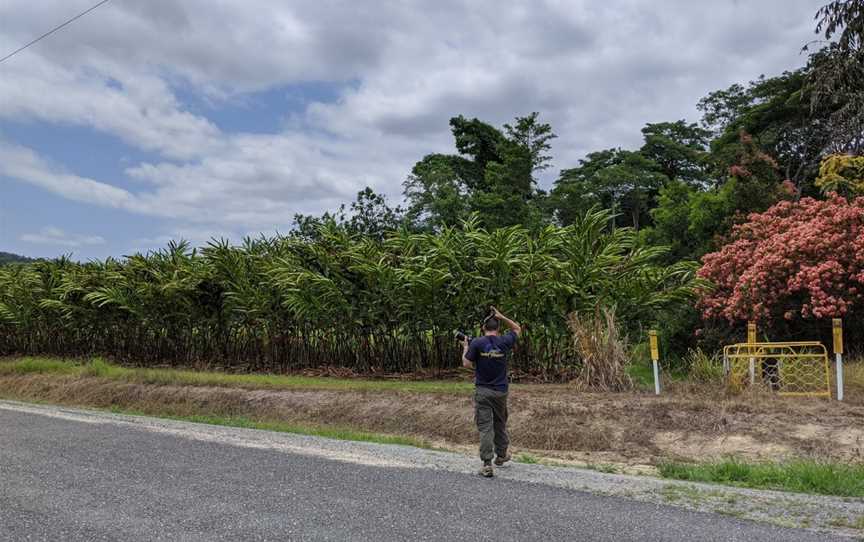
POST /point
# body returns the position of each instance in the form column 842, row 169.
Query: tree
column 845, row 17
column 842, row 173
column 307, row 227
column 493, row 175
column 693, row 221
column 775, row 113
column 512, row 186
column 624, row 181
column 629, row 181
column 679, row 150
column 674, row 224
column 532, row 137
column 436, row 194
column 368, row 215
column 836, row 74
column 371, row 216
column 798, row 260
column 478, row 144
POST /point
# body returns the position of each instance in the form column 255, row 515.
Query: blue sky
column 144, row 122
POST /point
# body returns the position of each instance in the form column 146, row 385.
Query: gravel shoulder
column 827, row 515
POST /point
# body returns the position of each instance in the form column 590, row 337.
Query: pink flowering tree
column 795, row 263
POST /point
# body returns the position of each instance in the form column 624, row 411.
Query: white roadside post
column 838, row 353
column 751, row 339
column 655, row 357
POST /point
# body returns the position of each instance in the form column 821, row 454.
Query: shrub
column 797, row 261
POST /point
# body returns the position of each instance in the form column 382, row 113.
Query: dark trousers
column 490, row 415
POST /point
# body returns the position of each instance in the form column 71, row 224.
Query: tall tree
column 776, row 113
column 624, row 181
column 493, row 175
column 436, row 193
column 478, row 144
column 511, row 181
column 692, row 220
column 836, row 74
column 679, row 149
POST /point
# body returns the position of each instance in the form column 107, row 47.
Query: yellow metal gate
column 789, row 368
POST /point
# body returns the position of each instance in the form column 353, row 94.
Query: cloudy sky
column 149, row 120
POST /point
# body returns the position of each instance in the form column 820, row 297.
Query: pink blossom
column 808, row 254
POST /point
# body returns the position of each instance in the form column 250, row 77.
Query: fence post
column 655, row 357
column 751, row 339
column 838, row 354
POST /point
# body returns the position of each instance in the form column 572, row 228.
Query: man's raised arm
column 513, row 325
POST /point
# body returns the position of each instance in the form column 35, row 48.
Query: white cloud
column 596, row 71
column 50, row 235
column 22, row 163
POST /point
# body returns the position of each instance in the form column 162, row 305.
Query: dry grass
column 853, row 373
column 601, row 350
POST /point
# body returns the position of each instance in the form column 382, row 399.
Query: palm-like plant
column 367, row 303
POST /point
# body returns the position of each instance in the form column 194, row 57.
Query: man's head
column 491, row 326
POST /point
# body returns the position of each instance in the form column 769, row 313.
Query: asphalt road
column 70, row 480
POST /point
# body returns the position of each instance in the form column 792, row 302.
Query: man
column 488, row 356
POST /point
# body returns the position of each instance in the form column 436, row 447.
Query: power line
column 55, row 29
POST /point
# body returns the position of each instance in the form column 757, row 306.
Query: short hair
column 491, row 324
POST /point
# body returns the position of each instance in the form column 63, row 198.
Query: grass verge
column 103, row 369
column 528, row 459
column 821, row 478
column 339, row 433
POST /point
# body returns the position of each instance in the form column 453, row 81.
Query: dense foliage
column 341, row 299
column 797, row 261
column 842, row 173
column 371, row 286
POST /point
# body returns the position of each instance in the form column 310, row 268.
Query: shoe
column 500, row 460
column 486, row 471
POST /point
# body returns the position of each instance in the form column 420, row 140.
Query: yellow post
column 655, row 358
column 751, row 339
column 837, row 325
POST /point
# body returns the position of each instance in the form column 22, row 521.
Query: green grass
column 100, row 368
column 642, row 374
column 527, row 459
column 38, row 365
column 821, row 478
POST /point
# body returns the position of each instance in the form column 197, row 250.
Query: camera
column 461, row 336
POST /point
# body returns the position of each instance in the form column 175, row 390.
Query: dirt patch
column 552, row 421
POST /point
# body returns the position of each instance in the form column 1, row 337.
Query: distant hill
column 7, row 258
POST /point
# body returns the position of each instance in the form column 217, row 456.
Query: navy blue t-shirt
column 489, row 355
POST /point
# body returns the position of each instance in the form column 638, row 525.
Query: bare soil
column 631, row 429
